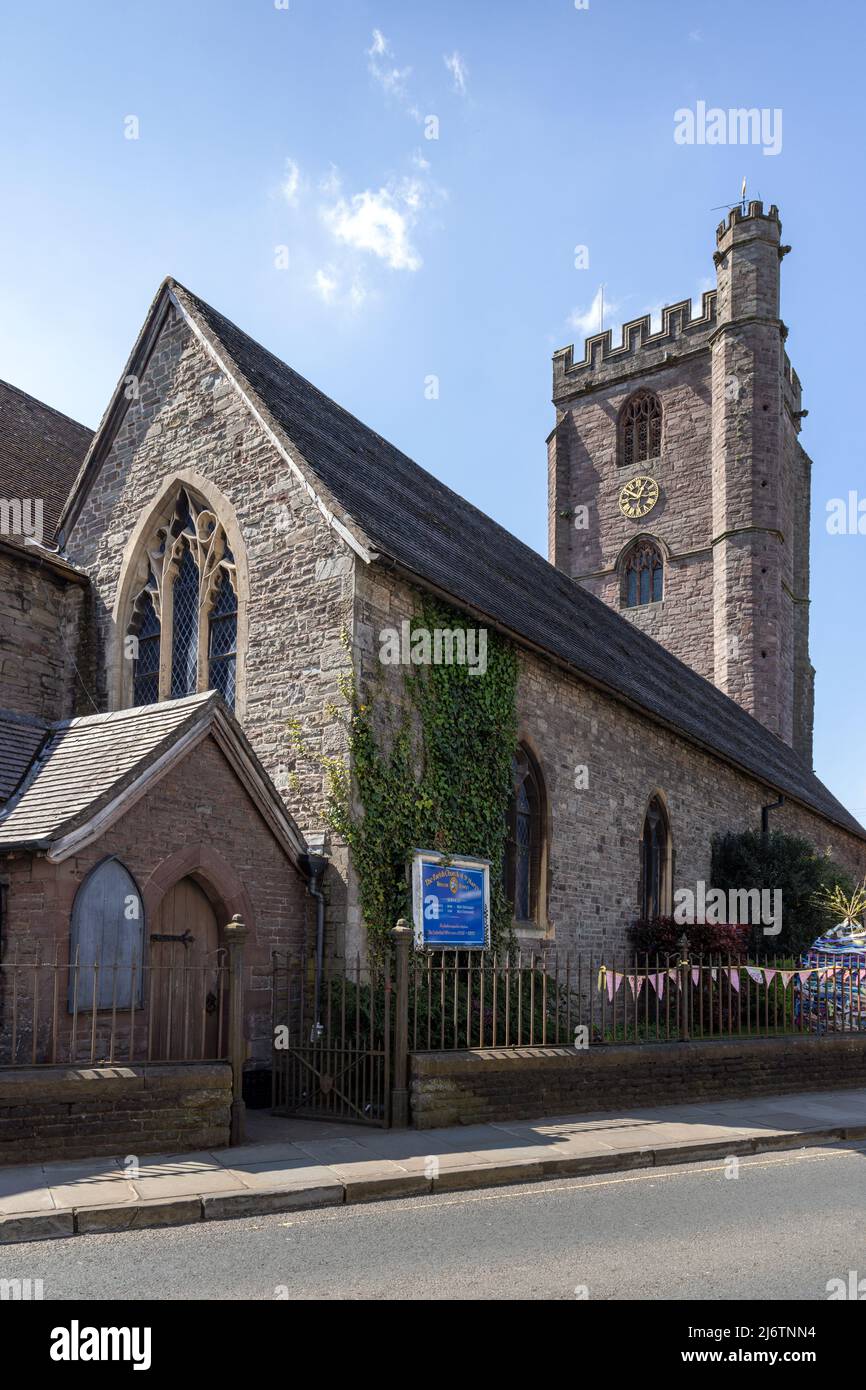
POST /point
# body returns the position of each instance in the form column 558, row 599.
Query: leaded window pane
column 184, row 646
column 222, row 641
column 644, row 575
column 145, row 677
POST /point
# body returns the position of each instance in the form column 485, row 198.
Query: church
column 230, row 545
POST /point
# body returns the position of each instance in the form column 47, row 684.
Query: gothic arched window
column 643, row 575
column 185, row 619
column 655, row 872
column 146, row 629
column 640, row 429
column 106, row 940
column 525, row 840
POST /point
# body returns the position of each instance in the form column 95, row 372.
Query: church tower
column 679, row 492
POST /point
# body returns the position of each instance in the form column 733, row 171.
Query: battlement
column 754, row 212
column 678, row 327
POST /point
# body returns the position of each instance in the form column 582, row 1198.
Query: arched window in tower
column 223, row 639
column 524, row 843
column 189, row 607
column 643, row 575
column 640, row 429
column 655, row 862
column 184, row 616
column 146, row 628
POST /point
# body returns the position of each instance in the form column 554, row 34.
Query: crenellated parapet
column 639, row 350
column 754, row 211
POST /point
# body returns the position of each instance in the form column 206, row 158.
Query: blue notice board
column 451, row 902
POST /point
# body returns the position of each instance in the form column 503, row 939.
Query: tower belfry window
column 643, row 580
column 640, row 429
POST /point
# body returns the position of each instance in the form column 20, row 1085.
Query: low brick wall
column 82, row 1112
column 451, row 1088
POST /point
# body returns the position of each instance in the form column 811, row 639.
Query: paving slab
column 290, row 1165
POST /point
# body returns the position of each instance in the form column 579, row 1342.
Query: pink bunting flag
column 658, row 983
column 770, row 975
column 636, row 982
column 755, row 974
column 787, row 976
column 733, row 975
column 613, row 980
column 696, row 975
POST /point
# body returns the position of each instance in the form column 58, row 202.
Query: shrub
column 661, row 936
column 786, row 862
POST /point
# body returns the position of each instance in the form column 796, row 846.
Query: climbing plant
column 432, row 770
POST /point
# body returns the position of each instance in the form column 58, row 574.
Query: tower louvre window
column 643, row 575
column 640, row 429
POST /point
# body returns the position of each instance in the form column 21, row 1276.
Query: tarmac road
column 782, row 1228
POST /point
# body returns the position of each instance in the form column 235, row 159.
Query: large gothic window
column 640, row 429
column 643, row 575
column 185, row 620
column 524, row 843
column 655, row 862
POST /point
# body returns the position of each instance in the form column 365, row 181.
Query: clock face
column 638, row 497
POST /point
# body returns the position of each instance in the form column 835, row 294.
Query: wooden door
column 185, row 979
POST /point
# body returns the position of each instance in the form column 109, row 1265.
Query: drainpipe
column 316, row 863
column 765, row 814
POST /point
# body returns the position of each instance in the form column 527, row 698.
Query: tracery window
column 524, row 843
column 640, row 429
column 655, row 862
column 643, row 579
column 185, row 618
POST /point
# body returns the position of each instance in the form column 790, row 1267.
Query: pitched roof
column 41, row 452
column 393, row 511
column 20, row 737
column 92, row 769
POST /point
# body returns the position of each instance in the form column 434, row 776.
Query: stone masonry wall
column 85, row 1112
column 464, row 1088
column 594, row 834
column 41, row 636
column 189, row 417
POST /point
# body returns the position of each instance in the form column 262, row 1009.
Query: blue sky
column 297, row 137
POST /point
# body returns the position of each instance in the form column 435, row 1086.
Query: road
column 782, row 1228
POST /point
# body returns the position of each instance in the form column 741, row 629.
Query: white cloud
column 587, row 321
column 291, row 185
column 326, row 284
column 456, row 65
column 376, row 222
column 331, row 183
column 392, row 79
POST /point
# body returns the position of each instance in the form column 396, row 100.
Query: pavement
column 289, row 1164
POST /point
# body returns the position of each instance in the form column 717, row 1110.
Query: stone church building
column 230, row 542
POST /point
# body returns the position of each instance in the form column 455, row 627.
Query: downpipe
column 316, row 863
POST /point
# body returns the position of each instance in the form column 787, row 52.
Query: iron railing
column 172, row 1011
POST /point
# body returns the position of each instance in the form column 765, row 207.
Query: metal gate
column 332, row 1032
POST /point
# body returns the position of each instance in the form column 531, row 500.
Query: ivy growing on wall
column 434, row 773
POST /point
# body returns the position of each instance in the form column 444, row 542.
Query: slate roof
column 86, row 773
column 86, row 762
column 41, row 452
column 397, row 509
column 20, row 737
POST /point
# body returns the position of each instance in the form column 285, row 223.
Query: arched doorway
column 188, row 984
